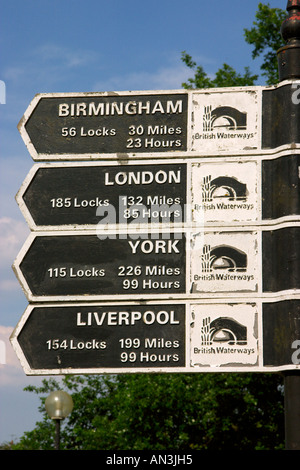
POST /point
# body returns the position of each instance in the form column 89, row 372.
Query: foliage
column 265, row 38
column 166, row 412
column 225, row 76
column 6, row 445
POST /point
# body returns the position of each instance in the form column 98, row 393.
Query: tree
column 165, row 412
column 265, row 38
column 225, row 76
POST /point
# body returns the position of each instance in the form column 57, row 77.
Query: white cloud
column 13, row 234
column 8, row 285
column 166, row 78
column 13, row 73
column 52, row 63
column 69, row 58
column 170, row 76
column 11, row 371
column 49, row 64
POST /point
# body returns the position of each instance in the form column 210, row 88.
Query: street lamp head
column 59, row 404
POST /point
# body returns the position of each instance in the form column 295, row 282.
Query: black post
column 292, row 410
column 57, row 434
column 289, row 68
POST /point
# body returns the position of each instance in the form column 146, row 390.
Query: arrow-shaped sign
column 66, row 195
column 87, row 266
column 95, row 338
column 162, row 336
column 68, row 126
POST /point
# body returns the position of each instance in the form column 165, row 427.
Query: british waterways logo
column 225, row 335
column 222, row 331
column 224, row 261
column 223, row 118
column 222, row 257
column 225, row 121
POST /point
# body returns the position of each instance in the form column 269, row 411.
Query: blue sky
column 95, row 45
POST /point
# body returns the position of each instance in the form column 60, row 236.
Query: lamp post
column 59, row 405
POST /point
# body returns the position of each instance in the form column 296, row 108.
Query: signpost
column 165, row 230
column 216, row 217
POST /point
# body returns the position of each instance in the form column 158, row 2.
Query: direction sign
column 81, row 195
column 158, row 124
column 159, row 337
column 87, row 125
column 176, row 196
column 64, row 196
column 86, row 266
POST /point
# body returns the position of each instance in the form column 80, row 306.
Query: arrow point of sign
column 22, row 123
column 19, row 197
column 16, row 265
column 15, row 343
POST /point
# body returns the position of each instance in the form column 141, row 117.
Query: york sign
column 178, row 264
